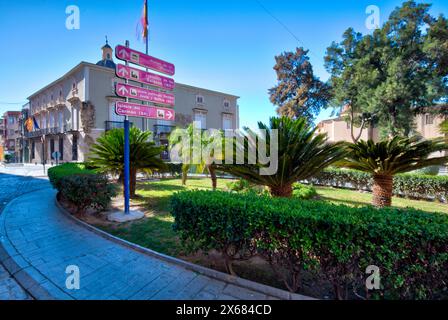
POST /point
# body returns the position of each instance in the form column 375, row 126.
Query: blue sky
column 224, row 45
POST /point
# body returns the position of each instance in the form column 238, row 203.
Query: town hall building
column 74, row 110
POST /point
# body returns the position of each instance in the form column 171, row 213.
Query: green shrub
column 337, row 243
column 85, row 191
column 244, row 186
column 55, row 174
column 428, row 171
column 416, row 186
column 303, row 192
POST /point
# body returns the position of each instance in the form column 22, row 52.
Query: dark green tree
column 298, row 93
column 395, row 73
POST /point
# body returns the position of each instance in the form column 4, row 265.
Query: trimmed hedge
column 334, row 242
column 414, row 186
column 55, row 174
column 82, row 188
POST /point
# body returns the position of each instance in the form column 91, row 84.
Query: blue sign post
column 126, row 166
column 143, row 60
column 127, row 193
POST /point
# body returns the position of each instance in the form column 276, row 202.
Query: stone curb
column 261, row 288
column 28, row 277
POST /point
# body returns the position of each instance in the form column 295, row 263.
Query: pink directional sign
column 127, row 91
column 144, row 77
column 144, row 60
column 138, row 110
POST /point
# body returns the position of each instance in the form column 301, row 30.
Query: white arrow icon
column 122, row 71
column 122, row 90
column 123, row 53
column 169, row 115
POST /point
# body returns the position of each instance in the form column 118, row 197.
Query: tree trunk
column 132, row 182
column 382, row 190
column 211, row 170
column 284, row 191
column 185, row 169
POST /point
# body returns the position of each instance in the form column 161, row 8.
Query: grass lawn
column 156, row 232
column 357, row 198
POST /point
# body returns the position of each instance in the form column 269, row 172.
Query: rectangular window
column 52, row 120
column 227, row 121
column 61, row 121
column 51, row 148
column 61, row 148
column 200, row 118
column 11, row 120
column 429, row 119
column 33, row 150
column 199, row 99
column 75, row 148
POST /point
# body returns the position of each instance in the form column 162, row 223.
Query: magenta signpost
column 148, row 78
column 144, row 60
column 127, row 91
column 138, row 110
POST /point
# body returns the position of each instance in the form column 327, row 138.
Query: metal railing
column 109, row 125
column 159, row 129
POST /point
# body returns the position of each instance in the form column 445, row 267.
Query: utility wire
column 284, row 27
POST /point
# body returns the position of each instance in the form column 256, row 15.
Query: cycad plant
column 301, row 154
column 107, row 154
column 387, row 158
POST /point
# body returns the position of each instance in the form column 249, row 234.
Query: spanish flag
column 145, row 23
column 29, row 124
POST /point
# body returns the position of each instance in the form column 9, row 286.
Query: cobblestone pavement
column 15, row 181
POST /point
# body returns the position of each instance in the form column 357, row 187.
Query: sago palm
column 107, row 154
column 389, row 157
column 189, row 144
column 301, row 154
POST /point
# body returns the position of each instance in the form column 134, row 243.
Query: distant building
column 338, row 129
column 74, row 110
column 10, row 131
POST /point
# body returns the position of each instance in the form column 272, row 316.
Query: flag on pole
column 35, row 123
column 145, row 20
column 143, row 25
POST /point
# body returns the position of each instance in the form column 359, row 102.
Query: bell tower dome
column 107, row 58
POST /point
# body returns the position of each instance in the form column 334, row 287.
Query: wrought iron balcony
column 115, row 125
column 160, row 129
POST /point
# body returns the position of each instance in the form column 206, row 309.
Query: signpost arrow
column 122, row 71
column 141, row 76
column 127, row 91
column 144, row 60
column 149, row 112
column 123, row 90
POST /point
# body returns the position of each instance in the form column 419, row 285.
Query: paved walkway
column 13, row 183
column 44, row 243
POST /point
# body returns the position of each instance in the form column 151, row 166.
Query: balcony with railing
column 109, row 125
column 163, row 129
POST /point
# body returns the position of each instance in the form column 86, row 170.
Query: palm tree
column 302, row 153
column 107, row 154
column 386, row 158
column 190, row 151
